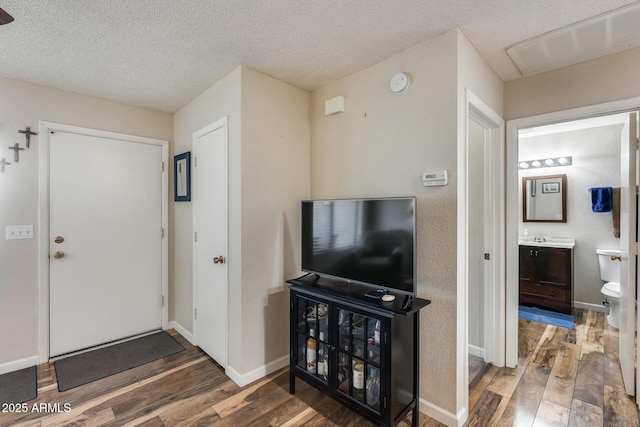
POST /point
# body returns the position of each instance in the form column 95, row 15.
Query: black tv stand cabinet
column 340, row 338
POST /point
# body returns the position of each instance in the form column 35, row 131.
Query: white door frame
column 43, row 221
column 494, row 289
column 493, row 124
column 220, row 123
column 628, row 262
column 513, row 203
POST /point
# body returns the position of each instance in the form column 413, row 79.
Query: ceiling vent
column 598, row 36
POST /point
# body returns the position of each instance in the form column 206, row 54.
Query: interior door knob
column 219, row 260
column 58, row 239
column 58, row 254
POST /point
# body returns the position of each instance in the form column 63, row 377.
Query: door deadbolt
column 218, row 260
column 58, row 239
column 58, row 255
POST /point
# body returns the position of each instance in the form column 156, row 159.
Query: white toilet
column 609, row 260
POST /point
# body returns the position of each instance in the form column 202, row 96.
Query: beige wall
column 25, row 104
column 475, row 74
column 610, row 78
column 381, row 145
column 275, row 177
column 268, row 176
column 220, row 100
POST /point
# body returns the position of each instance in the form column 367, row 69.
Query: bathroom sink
column 548, row 242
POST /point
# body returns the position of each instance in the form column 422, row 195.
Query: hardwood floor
column 563, row 378
column 185, row 389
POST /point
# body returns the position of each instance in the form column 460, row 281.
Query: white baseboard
column 182, row 331
column 589, row 306
column 244, row 379
column 441, row 415
column 476, row 351
column 19, row 364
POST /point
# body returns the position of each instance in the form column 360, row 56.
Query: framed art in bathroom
column 551, row 187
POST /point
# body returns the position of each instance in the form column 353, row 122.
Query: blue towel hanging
column 601, row 199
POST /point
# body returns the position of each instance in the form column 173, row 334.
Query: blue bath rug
column 545, row 316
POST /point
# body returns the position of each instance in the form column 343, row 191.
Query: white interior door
column 105, row 277
column 485, row 212
column 477, row 273
column 210, row 242
column 628, row 246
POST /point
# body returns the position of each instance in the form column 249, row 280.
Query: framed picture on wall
column 182, row 177
column 551, row 187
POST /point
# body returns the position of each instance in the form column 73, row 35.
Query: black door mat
column 19, row 386
column 84, row 368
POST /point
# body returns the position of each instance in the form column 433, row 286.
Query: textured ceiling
column 163, row 53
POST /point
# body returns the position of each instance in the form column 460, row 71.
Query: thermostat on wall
column 434, row 179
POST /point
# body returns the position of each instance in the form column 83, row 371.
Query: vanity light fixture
column 545, row 163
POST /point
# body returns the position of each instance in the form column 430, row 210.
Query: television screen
column 366, row 241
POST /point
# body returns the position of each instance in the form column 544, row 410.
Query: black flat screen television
column 371, row 242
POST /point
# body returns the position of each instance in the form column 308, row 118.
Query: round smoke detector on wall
column 399, row 82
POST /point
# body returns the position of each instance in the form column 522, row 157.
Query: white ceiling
column 163, row 53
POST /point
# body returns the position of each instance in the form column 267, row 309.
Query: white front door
column 105, row 240
column 629, row 263
column 210, row 239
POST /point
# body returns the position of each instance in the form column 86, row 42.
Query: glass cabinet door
column 359, row 357
column 313, row 336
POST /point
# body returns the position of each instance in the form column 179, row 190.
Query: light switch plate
column 15, row 232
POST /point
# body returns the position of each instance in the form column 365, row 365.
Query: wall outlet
column 15, row 232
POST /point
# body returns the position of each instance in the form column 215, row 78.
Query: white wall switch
column 15, row 232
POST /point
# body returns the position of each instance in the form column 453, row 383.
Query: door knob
column 58, row 239
column 616, row 258
column 58, row 254
column 219, row 260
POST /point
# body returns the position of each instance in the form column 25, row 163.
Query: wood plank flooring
column 563, row 378
column 184, row 389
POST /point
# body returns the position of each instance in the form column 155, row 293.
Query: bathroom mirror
column 544, row 198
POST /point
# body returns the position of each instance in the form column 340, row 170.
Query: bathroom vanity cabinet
column 546, row 277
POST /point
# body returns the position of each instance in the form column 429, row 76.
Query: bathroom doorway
column 569, row 133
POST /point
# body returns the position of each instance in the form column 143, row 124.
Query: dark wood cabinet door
column 553, row 266
column 526, row 266
column 545, row 277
